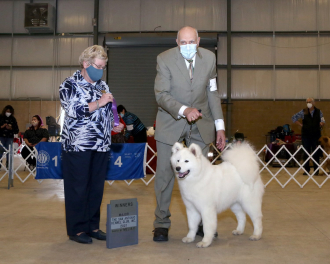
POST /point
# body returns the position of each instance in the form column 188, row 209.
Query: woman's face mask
column 309, row 105
column 34, row 123
column 94, row 74
column 121, row 114
column 8, row 114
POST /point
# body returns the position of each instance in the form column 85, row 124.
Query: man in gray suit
column 185, row 83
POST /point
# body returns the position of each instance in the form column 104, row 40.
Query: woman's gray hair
column 310, row 98
column 91, row 53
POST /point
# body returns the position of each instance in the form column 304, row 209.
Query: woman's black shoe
column 82, row 238
column 100, row 235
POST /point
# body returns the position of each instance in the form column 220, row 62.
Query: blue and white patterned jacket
column 300, row 115
column 83, row 130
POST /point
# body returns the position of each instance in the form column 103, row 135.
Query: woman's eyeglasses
column 99, row 67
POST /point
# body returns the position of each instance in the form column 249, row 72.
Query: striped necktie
column 191, row 69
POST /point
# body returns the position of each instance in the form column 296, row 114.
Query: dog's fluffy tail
column 244, row 159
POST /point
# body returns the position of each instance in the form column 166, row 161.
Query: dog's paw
column 187, row 240
column 237, row 232
column 254, row 237
column 203, row 244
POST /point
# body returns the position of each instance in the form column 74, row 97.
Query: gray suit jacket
column 174, row 89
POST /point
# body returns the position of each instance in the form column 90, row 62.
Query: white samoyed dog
column 208, row 189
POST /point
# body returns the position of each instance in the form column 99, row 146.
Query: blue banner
column 127, row 161
column 49, row 160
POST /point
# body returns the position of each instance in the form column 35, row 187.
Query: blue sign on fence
column 49, row 161
column 127, row 161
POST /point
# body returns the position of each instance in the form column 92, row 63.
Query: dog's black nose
column 178, row 168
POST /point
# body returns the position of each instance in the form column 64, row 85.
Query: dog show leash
column 189, row 136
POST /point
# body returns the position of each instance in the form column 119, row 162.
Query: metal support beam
column 229, row 104
column 96, row 22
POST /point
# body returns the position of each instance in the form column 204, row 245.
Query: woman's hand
column 118, row 128
column 3, row 125
column 105, row 99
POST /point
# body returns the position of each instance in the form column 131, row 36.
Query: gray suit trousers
column 165, row 177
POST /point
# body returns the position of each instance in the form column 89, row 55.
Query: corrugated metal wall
column 34, row 66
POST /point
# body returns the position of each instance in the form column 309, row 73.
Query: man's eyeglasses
column 99, row 67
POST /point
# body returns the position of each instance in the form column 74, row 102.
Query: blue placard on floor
column 126, row 162
column 122, row 223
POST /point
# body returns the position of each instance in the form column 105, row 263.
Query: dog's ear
column 195, row 150
column 325, row 139
column 176, row 147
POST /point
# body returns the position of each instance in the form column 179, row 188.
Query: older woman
column 35, row 134
column 8, row 127
column 86, row 139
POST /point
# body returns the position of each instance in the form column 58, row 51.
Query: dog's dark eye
column 178, row 160
column 186, row 161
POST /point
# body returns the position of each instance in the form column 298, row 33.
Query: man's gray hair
column 177, row 36
column 310, row 98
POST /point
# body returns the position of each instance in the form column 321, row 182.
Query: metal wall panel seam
column 11, row 92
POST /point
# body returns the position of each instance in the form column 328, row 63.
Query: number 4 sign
column 118, row 162
column 127, row 161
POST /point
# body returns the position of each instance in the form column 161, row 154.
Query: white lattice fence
column 282, row 164
column 266, row 168
column 265, row 165
column 20, row 168
column 3, row 159
column 22, row 164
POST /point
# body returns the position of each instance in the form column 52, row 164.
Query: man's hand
column 192, row 114
column 221, row 139
column 321, row 124
column 106, row 98
column 118, row 128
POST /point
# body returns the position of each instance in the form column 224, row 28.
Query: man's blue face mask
column 94, row 74
column 188, row 51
